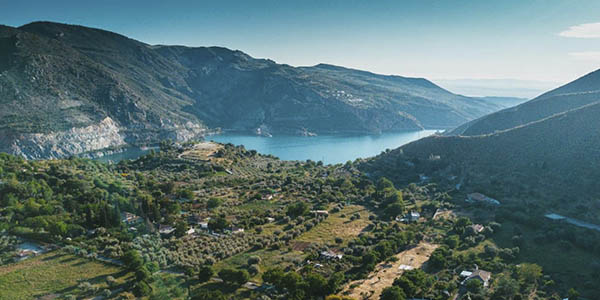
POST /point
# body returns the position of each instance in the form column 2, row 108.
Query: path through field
column 385, row 273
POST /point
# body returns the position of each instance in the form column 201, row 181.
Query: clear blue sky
column 450, row 39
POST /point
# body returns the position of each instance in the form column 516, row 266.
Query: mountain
column 497, row 87
column 545, row 164
column 505, row 102
column 578, row 93
column 68, row 89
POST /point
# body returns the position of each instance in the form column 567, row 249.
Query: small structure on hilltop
column 320, row 212
column 166, row 229
column 236, row 229
column 331, row 255
column 481, row 275
column 481, row 198
column 477, row 228
column 413, row 216
column 130, row 219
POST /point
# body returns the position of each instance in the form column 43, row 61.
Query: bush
column 106, row 293
column 253, row 269
column 205, row 273
column 232, row 276
column 392, row 293
column 253, row 260
column 142, row 289
column 111, row 281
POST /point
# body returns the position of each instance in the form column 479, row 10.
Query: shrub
column 205, row 273
column 253, row 260
column 254, row 269
column 111, row 281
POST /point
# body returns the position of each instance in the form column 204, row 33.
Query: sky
column 552, row 41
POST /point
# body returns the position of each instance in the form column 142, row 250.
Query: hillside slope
column 546, row 163
column 67, row 89
column 578, row 93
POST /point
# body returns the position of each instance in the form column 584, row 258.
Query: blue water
column 330, row 149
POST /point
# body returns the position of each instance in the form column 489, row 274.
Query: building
column 331, row 255
column 481, row 275
column 481, row 198
column 165, row 229
column 130, row 219
column 477, row 228
column 413, row 216
column 237, row 230
column 190, row 231
column 320, row 212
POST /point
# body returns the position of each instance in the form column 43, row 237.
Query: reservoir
column 331, row 149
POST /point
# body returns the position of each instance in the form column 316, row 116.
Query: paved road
column 580, row 223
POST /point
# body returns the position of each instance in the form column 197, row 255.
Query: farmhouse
column 413, row 216
column 477, row 228
column 236, row 230
column 320, row 212
column 130, row 219
column 481, row 275
column 481, row 198
column 331, row 255
column 165, row 229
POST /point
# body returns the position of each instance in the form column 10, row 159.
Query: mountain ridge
column 578, row 93
column 56, row 77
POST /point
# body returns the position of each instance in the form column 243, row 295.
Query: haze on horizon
column 550, row 42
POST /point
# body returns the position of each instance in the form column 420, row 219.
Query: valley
column 288, row 161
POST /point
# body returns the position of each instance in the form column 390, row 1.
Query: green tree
column 233, row 276
column 392, row 293
column 474, row 286
column 529, row 273
column 132, row 260
column 203, row 294
column 274, row 276
column 218, row 223
column 505, row 287
column 573, row 294
column 180, row 228
column 142, row 289
column 297, row 209
column 317, row 285
column 205, row 273
column 213, row 203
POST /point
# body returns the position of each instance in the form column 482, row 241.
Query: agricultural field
column 57, row 273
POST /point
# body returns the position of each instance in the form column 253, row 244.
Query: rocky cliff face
column 63, row 143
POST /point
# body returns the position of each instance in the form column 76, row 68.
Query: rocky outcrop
column 65, row 143
column 95, row 139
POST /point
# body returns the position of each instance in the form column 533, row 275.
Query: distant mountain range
column 527, row 89
column 542, row 153
column 578, row 93
column 67, row 89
